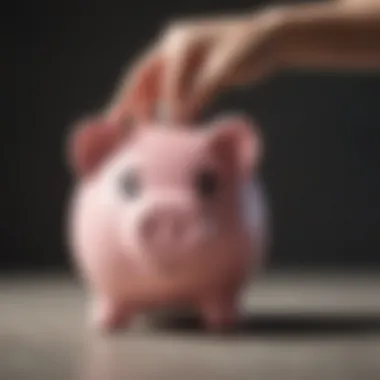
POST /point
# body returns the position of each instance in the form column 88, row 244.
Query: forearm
column 329, row 35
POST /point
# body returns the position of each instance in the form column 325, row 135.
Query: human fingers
column 183, row 50
column 210, row 80
column 138, row 94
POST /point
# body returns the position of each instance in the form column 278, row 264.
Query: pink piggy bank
column 164, row 217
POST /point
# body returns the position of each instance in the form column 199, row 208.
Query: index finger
column 137, row 96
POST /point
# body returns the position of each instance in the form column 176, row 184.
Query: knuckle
column 177, row 32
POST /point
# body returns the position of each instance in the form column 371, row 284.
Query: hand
column 193, row 61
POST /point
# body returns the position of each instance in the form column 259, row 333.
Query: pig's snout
column 170, row 227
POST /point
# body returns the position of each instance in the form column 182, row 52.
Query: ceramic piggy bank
column 164, row 217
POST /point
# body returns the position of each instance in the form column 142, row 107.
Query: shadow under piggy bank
column 276, row 324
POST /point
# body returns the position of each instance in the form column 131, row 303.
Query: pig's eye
column 130, row 184
column 207, row 183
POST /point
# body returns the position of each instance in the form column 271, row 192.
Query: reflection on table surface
column 298, row 326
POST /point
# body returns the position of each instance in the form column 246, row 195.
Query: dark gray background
column 60, row 60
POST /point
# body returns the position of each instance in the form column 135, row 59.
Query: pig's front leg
column 108, row 315
column 220, row 314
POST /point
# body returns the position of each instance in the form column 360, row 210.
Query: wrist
column 297, row 28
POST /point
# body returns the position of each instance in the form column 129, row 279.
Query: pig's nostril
column 169, row 228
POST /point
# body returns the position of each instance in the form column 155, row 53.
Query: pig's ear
column 238, row 142
column 90, row 142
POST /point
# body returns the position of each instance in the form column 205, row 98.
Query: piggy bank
column 165, row 217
